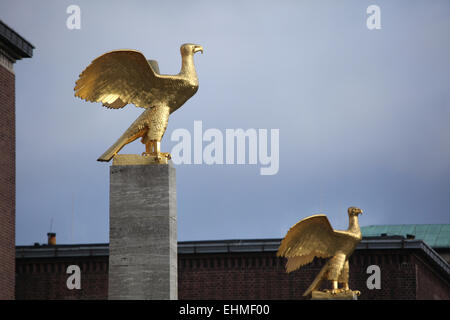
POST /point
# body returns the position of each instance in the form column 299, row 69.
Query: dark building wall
column 256, row 275
column 262, row 276
column 7, row 183
column 428, row 287
column 397, row 274
column 237, row 276
column 12, row 48
column 42, row 279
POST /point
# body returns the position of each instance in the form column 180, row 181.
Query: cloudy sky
column 363, row 114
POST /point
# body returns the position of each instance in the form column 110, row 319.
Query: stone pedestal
column 143, row 232
column 320, row 295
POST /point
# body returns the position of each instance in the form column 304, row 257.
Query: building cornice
column 14, row 45
column 230, row 246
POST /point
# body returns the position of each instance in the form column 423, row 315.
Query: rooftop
column 435, row 235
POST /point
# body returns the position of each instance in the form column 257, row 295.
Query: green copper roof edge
column 435, row 235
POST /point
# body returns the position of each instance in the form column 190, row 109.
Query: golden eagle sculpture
column 314, row 237
column 122, row 77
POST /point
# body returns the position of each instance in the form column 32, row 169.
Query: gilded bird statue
column 122, row 77
column 314, row 237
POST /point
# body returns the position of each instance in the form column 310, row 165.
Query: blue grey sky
column 363, row 114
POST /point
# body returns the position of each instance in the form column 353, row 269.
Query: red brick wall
column 46, row 278
column 428, row 284
column 262, row 276
column 7, row 183
column 240, row 276
column 404, row 275
column 398, row 276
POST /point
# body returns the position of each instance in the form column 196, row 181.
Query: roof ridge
column 407, row 224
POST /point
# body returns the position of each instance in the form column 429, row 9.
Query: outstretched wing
column 308, row 238
column 120, row 77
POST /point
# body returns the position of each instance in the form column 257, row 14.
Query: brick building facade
column 239, row 269
column 12, row 47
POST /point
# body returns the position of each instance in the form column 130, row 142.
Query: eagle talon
column 147, row 154
column 332, row 291
column 166, row 155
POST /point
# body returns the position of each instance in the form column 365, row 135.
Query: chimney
column 51, row 238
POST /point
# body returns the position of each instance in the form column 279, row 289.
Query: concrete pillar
column 143, row 232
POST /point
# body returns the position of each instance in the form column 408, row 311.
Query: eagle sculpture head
column 354, row 211
column 190, row 48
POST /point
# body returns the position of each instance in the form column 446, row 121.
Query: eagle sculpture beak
column 360, row 211
column 198, row 48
